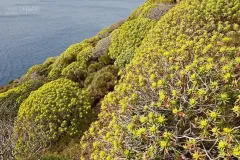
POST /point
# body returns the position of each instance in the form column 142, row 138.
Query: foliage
column 12, row 99
column 57, row 109
column 94, row 67
column 140, row 10
column 107, row 31
column 76, row 72
column 9, row 105
column 128, row 37
column 6, row 145
column 105, row 60
column 53, row 157
column 67, row 57
column 179, row 96
column 40, row 69
column 85, row 55
column 103, row 82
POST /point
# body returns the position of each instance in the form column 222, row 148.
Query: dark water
column 33, row 30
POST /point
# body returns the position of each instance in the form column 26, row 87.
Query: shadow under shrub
column 102, row 82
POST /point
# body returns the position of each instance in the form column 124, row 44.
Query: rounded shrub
column 107, row 31
column 94, row 67
column 124, row 58
column 40, row 69
column 66, row 58
column 129, row 37
column 103, row 33
column 91, row 41
column 76, row 72
column 116, row 25
column 103, row 82
column 105, row 60
column 101, row 48
column 146, row 8
column 9, row 105
column 85, row 55
column 57, row 109
column 33, row 70
column 89, row 79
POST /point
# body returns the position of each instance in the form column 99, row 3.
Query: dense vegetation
column 164, row 84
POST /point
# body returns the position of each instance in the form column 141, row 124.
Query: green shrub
column 92, row 41
column 107, row 31
column 103, row 33
column 57, row 109
column 32, row 70
column 129, row 37
column 135, row 14
column 55, row 73
column 124, row 58
column 40, row 69
column 85, row 55
column 53, row 157
column 66, row 58
column 76, row 72
column 89, row 79
column 12, row 99
column 94, row 67
column 152, row 9
column 105, row 60
column 9, row 105
column 103, row 82
column 116, row 25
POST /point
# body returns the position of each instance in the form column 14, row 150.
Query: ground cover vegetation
column 161, row 84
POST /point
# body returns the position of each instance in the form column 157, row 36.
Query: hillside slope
column 179, row 97
column 162, row 84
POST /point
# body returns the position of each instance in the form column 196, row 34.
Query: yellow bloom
column 161, row 119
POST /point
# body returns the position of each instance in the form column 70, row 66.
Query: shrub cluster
column 107, row 31
column 127, row 38
column 76, row 72
column 40, row 69
column 9, row 105
column 12, row 99
column 69, row 56
column 103, row 82
column 55, row 110
column 179, row 97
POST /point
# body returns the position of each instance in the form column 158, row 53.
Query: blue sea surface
column 33, row 30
